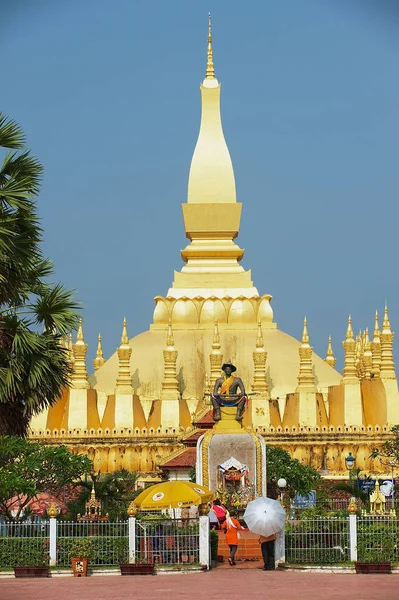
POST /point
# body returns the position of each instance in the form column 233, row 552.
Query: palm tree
column 34, row 314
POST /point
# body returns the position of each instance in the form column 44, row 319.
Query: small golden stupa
column 138, row 407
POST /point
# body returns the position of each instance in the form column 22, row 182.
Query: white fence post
column 132, row 539
column 204, row 540
column 53, row 541
column 353, row 536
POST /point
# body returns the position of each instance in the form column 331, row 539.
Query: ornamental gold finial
column 210, row 69
column 305, row 334
column 386, row 326
column 52, row 511
column 330, row 358
column 124, row 337
column 349, row 331
column 170, row 342
column 99, row 360
column 376, row 328
column 216, row 336
column 93, row 492
column 80, row 337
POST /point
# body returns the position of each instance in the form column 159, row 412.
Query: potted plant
column 35, row 561
column 214, row 540
column 374, row 556
column 140, row 566
column 81, row 553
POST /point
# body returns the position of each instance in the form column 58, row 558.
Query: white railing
column 171, row 541
column 108, row 542
column 317, row 541
column 24, row 544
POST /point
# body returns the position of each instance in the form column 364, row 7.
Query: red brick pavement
column 214, row 585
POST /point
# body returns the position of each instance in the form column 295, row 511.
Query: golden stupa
column 139, row 406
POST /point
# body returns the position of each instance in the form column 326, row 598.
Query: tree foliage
column 34, row 313
column 388, row 453
column 300, row 478
column 28, row 468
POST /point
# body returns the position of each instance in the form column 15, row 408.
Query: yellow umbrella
column 173, row 494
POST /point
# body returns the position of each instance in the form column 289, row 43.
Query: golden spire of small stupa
column 99, row 360
column 330, row 358
column 170, row 385
column 210, row 69
column 306, row 379
column 79, row 376
column 349, row 371
column 124, row 378
column 387, row 370
column 93, row 492
column 70, row 347
column 376, row 347
column 305, row 334
column 367, row 355
column 124, row 336
column 259, row 356
column 215, row 356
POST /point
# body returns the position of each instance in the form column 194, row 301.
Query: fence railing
column 317, row 541
column 24, row 543
column 108, row 542
column 173, row 541
column 378, row 536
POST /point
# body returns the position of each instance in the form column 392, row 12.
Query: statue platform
column 229, row 440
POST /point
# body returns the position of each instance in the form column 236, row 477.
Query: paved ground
column 214, row 585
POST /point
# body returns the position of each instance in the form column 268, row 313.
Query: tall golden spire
column 367, row 355
column 349, row 371
column 376, row 348
column 79, row 377
column 387, row 370
column 259, row 356
column 306, row 379
column 330, row 358
column 99, row 360
column 210, row 69
column 124, row 378
column 215, row 356
column 170, row 385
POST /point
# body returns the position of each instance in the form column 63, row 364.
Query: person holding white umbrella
column 266, row 517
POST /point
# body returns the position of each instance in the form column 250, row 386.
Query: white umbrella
column 264, row 516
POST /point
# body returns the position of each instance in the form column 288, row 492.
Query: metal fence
column 24, row 544
column 317, row 541
column 378, row 538
column 108, row 542
column 170, row 541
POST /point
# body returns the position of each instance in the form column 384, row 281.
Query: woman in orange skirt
column 232, row 526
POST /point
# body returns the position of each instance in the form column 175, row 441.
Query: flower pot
column 32, row 571
column 373, row 567
column 137, row 568
column 79, row 566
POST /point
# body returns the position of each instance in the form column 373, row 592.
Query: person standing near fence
column 232, row 527
column 267, row 547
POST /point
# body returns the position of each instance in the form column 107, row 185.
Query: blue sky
column 108, row 94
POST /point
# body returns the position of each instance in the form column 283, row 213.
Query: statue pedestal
column 230, row 440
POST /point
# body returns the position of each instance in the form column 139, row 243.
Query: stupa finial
column 216, row 336
column 80, row 337
column 349, row 331
column 386, row 326
column 330, row 358
column 377, row 331
column 305, row 334
column 124, row 336
column 210, row 69
column 99, row 360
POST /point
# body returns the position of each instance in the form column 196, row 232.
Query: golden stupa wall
column 139, row 405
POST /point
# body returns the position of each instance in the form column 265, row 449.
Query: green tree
column 388, row 453
column 34, row 314
column 28, row 468
column 300, row 478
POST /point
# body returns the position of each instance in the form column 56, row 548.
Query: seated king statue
column 228, row 391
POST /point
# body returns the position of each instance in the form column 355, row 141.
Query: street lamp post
column 282, row 484
column 350, row 461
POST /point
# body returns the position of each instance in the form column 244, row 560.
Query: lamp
column 350, row 461
column 282, row 483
